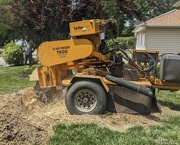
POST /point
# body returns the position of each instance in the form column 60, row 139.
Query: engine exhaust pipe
column 140, row 89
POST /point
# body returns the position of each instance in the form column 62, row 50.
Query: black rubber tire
column 95, row 95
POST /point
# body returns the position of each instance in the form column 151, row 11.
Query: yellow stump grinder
column 99, row 77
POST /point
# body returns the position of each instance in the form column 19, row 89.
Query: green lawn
column 168, row 133
column 169, row 99
column 12, row 79
column 91, row 134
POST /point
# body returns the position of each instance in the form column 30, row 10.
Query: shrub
column 12, row 54
column 28, row 70
column 125, row 41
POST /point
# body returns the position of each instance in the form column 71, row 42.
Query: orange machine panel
column 59, row 52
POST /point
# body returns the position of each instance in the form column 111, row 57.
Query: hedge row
column 125, row 42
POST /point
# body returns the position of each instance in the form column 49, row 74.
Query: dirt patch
column 25, row 120
column 23, row 75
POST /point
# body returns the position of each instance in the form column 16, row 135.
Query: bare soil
column 24, row 120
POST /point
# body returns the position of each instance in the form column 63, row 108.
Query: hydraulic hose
column 140, row 89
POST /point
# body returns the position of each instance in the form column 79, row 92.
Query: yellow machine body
column 65, row 62
column 59, row 52
column 59, row 56
column 86, row 27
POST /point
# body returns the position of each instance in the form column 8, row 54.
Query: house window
column 143, row 40
column 140, row 43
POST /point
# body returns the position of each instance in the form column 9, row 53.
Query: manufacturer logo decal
column 62, row 51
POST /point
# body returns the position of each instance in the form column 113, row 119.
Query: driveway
column 2, row 62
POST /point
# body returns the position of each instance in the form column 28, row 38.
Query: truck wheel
column 85, row 97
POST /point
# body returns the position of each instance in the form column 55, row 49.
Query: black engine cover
column 170, row 68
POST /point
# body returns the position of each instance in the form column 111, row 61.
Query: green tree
column 41, row 17
column 5, row 19
column 50, row 18
column 166, row 5
column 129, row 11
column 86, row 9
column 126, row 12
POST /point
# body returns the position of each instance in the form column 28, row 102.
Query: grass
column 169, row 99
column 84, row 134
column 91, row 134
column 13, row 79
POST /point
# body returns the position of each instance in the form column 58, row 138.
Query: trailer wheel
column 85, row 97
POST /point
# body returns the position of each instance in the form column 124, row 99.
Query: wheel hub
column 85, row 100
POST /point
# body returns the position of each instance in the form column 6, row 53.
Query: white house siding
column 165, row 40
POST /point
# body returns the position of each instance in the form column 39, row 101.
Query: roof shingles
column 172, row 18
